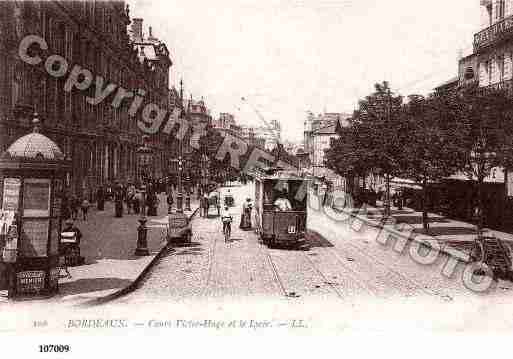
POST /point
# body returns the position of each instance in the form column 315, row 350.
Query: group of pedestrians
column 127, row 196
column 72, row 205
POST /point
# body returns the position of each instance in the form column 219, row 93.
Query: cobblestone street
column 332, row 264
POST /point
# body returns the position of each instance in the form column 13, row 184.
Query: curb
column 137, row 281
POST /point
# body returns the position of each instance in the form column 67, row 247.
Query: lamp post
column 144, row 156
column 204, row 170
column 179, row 196
column 188, row 182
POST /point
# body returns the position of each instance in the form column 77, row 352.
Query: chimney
column 137, row 25
column 150, row 36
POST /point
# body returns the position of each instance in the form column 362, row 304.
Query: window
column 489, row 72
column 500, row 6
column 500, row 68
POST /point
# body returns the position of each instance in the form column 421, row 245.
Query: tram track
column 210, row 265
column 323, row 276
column 411, row 281
column 333, row 287
column 274, row 271
column 372, row 261
column 350, row 272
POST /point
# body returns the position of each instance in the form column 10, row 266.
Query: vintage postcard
column 276, row 168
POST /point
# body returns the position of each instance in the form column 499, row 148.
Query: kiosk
column 32, row 174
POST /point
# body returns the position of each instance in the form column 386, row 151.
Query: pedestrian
column 100, row 198
column 84, row 207
column 71, row 250
column 245, row 219
column 65, row 208
column 108, row 192
column 137, row 201
column 118, row 200
column 130, row 196
column 75, row 203
column 204, row 205
column 152, row 201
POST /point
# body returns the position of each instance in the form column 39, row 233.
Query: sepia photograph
column 275, row 168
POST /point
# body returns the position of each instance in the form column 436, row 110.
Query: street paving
column 332, row 264
column 108, row 245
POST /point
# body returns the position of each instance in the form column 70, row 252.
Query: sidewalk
column 448, row 232
column 108, row 245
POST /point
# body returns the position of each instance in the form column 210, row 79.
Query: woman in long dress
column 245, row 220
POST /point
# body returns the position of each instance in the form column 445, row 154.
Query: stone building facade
column 101, row 139
column 491, row 63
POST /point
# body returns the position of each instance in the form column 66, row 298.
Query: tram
column 280, row 209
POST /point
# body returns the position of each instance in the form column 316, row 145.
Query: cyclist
column 227, row 219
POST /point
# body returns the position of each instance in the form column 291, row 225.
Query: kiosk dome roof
column 35, row 145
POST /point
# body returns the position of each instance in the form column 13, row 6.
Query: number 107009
column 54, row 348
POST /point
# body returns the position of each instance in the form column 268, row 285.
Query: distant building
column 225, row 121
column 270, row 134
column 319, row 131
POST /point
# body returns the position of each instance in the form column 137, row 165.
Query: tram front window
column 282, row 202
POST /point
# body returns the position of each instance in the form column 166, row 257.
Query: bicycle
column 227, row 228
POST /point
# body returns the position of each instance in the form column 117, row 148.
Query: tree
column 345, row 157
column 379, row 129
column 484, row 136
column 430, row 154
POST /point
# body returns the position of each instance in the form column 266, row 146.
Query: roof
column 148, row 50
column 35, row 146
column 280, row 176
column 327, row 130
column 449, row 83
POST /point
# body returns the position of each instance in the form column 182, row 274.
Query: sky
column 290, row 57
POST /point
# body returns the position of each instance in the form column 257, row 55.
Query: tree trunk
column 480, row 217
column 387, row 195
column 425, row 216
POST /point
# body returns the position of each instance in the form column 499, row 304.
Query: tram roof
column 279, row 174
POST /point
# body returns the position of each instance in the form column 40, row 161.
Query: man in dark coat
column 100, row 198
column 118, row 199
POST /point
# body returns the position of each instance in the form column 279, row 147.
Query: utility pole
column 387, row 174
column 179, row 197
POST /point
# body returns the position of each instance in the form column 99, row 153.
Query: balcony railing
column 493, row 34
column 505, row 85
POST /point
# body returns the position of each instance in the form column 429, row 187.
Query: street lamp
column 204, row 169
column 144, row 154
column 188, row 161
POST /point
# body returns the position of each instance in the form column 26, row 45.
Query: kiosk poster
column 11, row 194
column 10, row 251
column 30, row 282
column 36, row 198
column 34, row 238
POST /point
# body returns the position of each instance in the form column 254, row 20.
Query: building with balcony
column 491, row 63
column 100, row 139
